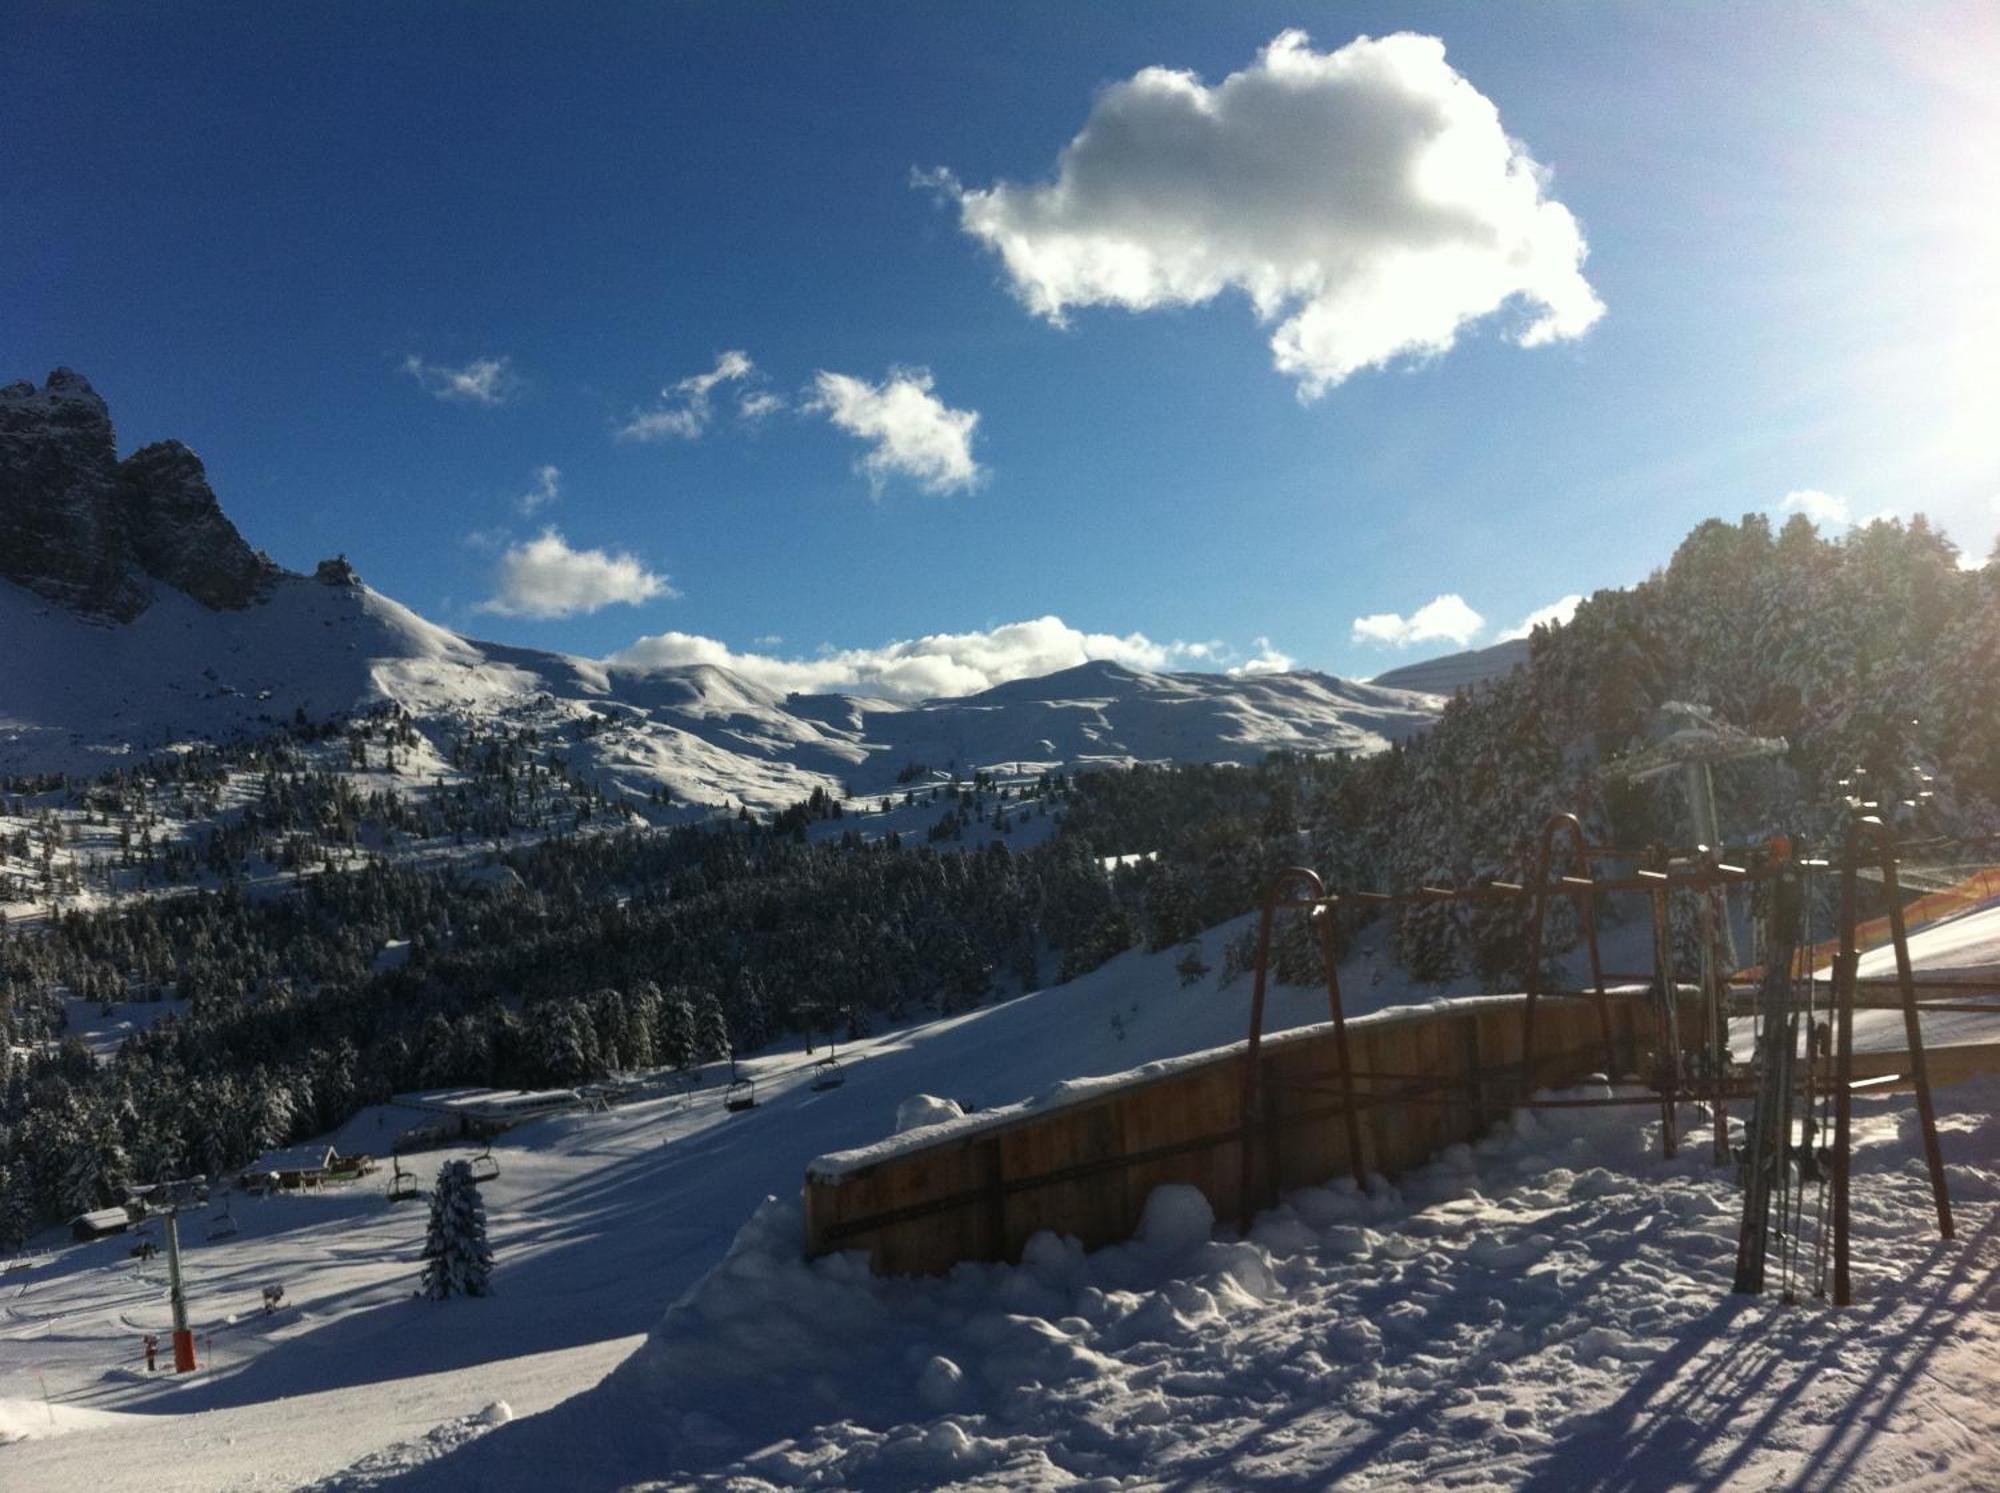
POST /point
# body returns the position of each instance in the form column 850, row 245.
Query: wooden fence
column 1084, row 1164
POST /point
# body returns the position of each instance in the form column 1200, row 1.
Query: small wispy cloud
column 688, row 404
column 482, row 381
column 545, row 578
column 1266, row 660
column 1445, row 619
column 547, row 490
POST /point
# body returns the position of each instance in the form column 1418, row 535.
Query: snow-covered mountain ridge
column 121, row 646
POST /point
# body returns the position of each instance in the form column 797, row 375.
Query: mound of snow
column 1494, row 1321
column 920, row 1111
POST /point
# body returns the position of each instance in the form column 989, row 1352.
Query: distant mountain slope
column 1457, row 671
column 120, row 645
column 84, row 693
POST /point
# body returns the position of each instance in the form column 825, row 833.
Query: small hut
column 292, row 1168
column 100, row 1223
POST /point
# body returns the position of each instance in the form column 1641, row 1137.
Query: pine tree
column 711, row 1029
column 17, row 1207
column 457, row 1260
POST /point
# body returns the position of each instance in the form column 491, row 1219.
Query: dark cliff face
column 87, row 531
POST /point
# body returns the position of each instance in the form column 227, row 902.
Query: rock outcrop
column 91, row 532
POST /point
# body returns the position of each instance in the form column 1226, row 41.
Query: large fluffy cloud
column 1366, row 200
column 960, row 663
column 910, row 431
column 1444, row 619
column 544, row 577
column 482, row 381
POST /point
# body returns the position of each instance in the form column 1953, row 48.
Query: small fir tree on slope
column 456, row 1259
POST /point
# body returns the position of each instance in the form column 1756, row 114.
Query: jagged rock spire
column 88, row 531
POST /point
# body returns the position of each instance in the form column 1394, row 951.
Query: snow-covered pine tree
column 457, row 1261
column 711, row 1029
column 17, row 1207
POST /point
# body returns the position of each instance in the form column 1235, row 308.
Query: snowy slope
column 85, row 694
column 1555, row 1291
column 1457, row 671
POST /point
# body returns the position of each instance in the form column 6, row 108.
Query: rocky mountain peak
column 88, row 531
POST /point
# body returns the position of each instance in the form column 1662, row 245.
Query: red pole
column 1251, row 1103
column 1843, row 1072
column 1670, row 1026
column 1913, row 1031
column 1348, row 1115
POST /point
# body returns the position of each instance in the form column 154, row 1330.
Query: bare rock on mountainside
column 88, row 531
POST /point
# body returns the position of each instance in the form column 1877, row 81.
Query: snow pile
column 1549, row 1307
column 920, row 1111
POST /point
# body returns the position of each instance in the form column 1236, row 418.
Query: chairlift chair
column 403, row 1185
column 485, row 1167
column 222, row 1225
column 739, row 1096
column 827, row 1074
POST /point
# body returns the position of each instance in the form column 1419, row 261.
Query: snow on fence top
column 1082, row 1160
column 836, row 1166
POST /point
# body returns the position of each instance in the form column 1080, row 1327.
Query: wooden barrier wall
column 1431, row 1076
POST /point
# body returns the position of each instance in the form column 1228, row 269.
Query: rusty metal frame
column 1301, row 890
column 1846, row 963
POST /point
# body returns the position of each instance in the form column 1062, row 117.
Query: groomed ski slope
column 1437, row 1334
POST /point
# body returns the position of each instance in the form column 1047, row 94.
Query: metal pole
column 1914, row 1033
column 1251, row 1104
column 183, row 1338
column 1843, row 1073
column 1670, row 1024
column 1348, row 1115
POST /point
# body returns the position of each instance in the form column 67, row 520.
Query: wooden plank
column 1087, row 1169
column 1206, row 1103
column 1091, row 1208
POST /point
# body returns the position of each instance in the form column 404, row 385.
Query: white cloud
column 1820, row 507
column 1368, row 201
column 544, row 578
column 940, row 664
column 1553, row 615
column 1445, row 619
column 1266, row 660
column 692, row 406
column 1829, row 510
column 755, row 404
column 913, row 432
column 482, row 381
column 547, row 489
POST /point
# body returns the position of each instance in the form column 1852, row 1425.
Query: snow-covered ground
column 1554, row 1299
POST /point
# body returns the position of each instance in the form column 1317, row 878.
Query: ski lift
column 484, row 1166
column 403, row 1185
column 827, row 1074
column 740, row 1096
column 222, row 1225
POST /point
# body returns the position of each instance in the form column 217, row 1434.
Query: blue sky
column 249, row 227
